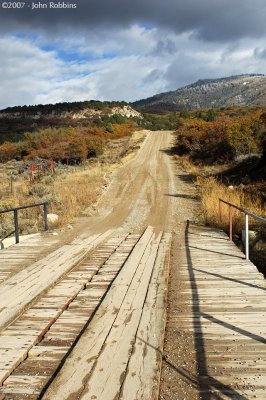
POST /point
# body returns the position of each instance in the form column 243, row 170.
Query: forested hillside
column 235, row 91
column 16, row 121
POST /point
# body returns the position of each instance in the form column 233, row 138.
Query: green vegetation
column 18, row 120
column 155, row 122
column 218, row 136
column 64, row 144
column 64, row 107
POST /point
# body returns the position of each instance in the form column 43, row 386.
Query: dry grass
column 77, row 191
column 211, row 190
column 69, row 192
column 199, row 169
column 19, row 195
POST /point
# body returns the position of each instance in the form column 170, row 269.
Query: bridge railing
column 16, row 220
column 247, row 215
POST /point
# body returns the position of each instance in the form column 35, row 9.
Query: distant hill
column 234, row 91
column 15, row 121
column 75, row 110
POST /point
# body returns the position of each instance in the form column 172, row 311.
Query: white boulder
column 52, row 218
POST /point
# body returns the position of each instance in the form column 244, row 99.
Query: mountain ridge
column 234, row 91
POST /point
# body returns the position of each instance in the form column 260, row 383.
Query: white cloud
column 25, row 71
column 127, row 64
column 127, row 41
column 32, row 75
column 122, row 78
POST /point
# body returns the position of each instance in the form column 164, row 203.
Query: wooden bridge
column 227, row 318
column 87, row 321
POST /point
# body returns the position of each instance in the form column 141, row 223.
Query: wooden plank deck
column 123, row 282
column 23, row 287
column 59, row 309
column 124, row 339
column 228, row 316
column 16, row 257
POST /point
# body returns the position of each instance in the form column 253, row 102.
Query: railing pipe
column 15, row 211
column 22, row 207
column 247, row 215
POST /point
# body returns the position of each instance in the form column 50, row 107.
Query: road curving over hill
column 140, row 192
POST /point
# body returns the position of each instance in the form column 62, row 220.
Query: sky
column 123, row 49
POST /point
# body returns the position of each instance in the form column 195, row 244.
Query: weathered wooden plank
column 18, row 256
column 21, row 289
column 227, row 318
column 70, row 321
column 82, row 359
column 109, row 372
column 143, row 371
column 10, row 338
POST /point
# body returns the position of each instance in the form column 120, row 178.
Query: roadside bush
column 8, row 151
column 220, row 140
column 38, row 190
column 66, row 144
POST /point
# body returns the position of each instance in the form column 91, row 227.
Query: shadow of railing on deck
column 209, row 387
column 192, row 379
column 206, row 382
column 210, row 236
column 234, row 328
column 218, row 252
column 230, row 279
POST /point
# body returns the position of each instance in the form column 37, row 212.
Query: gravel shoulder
column 178, row 376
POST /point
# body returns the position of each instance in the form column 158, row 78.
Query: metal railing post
column 246, row 237
column 247, row 214
column 230, row 223
column 45, row 212
column 16, row 225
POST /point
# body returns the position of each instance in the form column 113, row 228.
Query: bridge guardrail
column 16, row 209
column 247, row 214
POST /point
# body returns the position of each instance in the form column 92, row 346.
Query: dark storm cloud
column 210, row 20
column 164, row 47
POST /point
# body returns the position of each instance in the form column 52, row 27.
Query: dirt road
column 140, row 190
column 148, row 190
